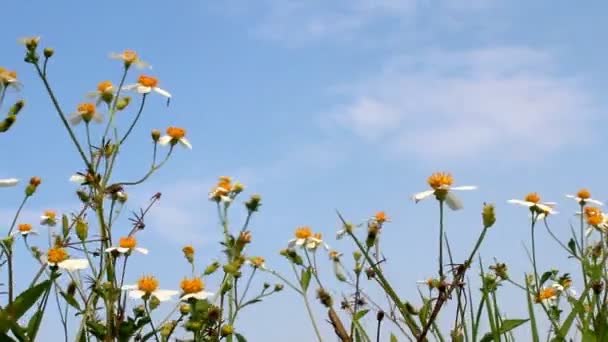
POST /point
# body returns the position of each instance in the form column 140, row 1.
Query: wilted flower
column 104, row 92
column 148, row 286
column 441, row 187
column 126, row 245
column 145, row 84
column 381, row 217
column 175, row 135
column 315, row 241
column 334, row 255
column 256, row 262
column 189, row 253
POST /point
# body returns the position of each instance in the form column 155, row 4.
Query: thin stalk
column 141, row 108
column 151, row 320
column 308, row 308
column 441, row 276
column 246, row 288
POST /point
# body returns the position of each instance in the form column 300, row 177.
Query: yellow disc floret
column 147, row 284
column 56, row 255
column 86, row 108
column 128, row 242
column 104, row 86
column 24, row 227
column 440, row 180
column 583, row 194
column 545, row 294
column 176, row 133
column 532, row 197
column 192, row 285
column 147, row 81
column 51, row 214
column 303, row 232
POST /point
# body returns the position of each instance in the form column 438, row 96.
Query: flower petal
column 141, row 250
column 464, row 187
column 162, row 92
column 520, row 202
column 77, row 178
column 74, row 264
column 591, row 200
column 111, row 249
column 136, row 294
column 422, row 195
column 453, row 202
column 185, row 142
column 142, row 89
column 129, row 287
column 5, row 183
column 164, row 140
column 164, row 295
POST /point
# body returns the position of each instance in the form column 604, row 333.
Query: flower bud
column 155, row 135
column 184, row 309
column 278, row 287
column 212, row 268
column 214, row 313
column 82, row 195
column 324, row 297
column 380, row 315
column 189, row 253
column 227, row 330
column 16, row 108
column 82, row 229
column 167, row 329
column 254, row 203
column 7, row 123
column 49, row 52
column 154, row 303
column 71, row 290
column 123, row 102
column 31, row 188
column 139, row 311
column 488, row 216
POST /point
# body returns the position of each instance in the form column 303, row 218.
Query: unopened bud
column 254, row 203
column 82, row 229
column 184, row 309
column 278, row 287
column 82, row 195
column 227, row 330
column 49, row 52
column 123, row 102
column 154, row 302
column 488, row 216
column 212, row 268
column 324, row 297
column 155, row 135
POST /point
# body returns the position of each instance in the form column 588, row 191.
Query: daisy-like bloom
column 334, row 255
column 126, row 245
column 225, row 190
column 8, row 78
column 595, row 219
column 58, row 257
column 146, row 84
column 130, row 57
column 25, row 229
column 583, row 196
column 441, row 187
column 302, row 234
column 381, row 217
column 532, row 201
column 104, row 92
column 315, row 241
column 49, row 218
column 193, row 288
column 7, row 182
column 148, row 286
column 175, row 135
column 256, row 262
column 547, row 295
column 86, row 112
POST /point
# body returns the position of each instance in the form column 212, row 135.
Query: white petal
column 111, row 249
column 130, row 86
column 129, row 287
column 141, row 250
column 340, row 234
column 75, row 118
column 464, row 187
column 164, row 140
column 300, row 242
column 136, row 294
column 198, row 295
column 588, row 231
column 291, row 244
column 422, row 195
column 77, row 178
column 164, row 295
column 143, row 90
column 520, row 202
column 453, row 202
column 162, row 92
column 5, row 183
column 98, row 118
column 591, row 200
column 74, row 264
column 185, row 142
column 573, row 197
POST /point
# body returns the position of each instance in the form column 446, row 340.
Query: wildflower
column 49, row 218
column 302, row 234
column 129, row 57
column 104, row 92
column 595, row 219
column 126, row 245
column 5, row 183
column 583, row 196
column 175, row 135
column 86, row 112
column 58, row 257
column 346, row 228
column 148, row 286
column 31, row 43
column 225, row 190
column 193, row 288
column 532, row 201
column 315, row 241
column 24, row 229
column 8, row 78
column 146, row 84
column 441, row 186
column 256, row 262
column 488, row 216
column 381, row 217
column 547, row 295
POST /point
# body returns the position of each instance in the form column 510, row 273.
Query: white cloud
column 445, row 104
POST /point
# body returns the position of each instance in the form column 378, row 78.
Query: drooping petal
column 162, row 92
column 5, row 183
column 141, row 250
column 453, row 202
column 74, row 264
column 591, row 200
column 122, row 250
column 198, row 295
column 129, row 287
column 164, row 140
column 111, row 249
column 164, row 295
column 422, row 195
column 185, row 142
column 75, row 118
column 520, row 202
column 98, row 118
column 77, row 178
column 136, row 294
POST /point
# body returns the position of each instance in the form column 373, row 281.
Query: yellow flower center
column 176, row 132
column 547, row 293
column 532, row 197
column 147, row 284
column 24, row 227
column 334, row 255
column 257, row 261
column 303, row 232
column 147, row 81
column 86, row 108
column 104, row 86
column 595, row 220
column 318, row 236
column 440, row 180
column 188, row 250
column 583, row 194
column 381, row 217
column 129, row 56
column 128, row 242
column 50, row 214
column 57, row 255
column 35, row 181
column 192, row 285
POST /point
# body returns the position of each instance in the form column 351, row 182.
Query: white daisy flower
column 126, row 245
column 532, row 200
column 7, row 182
column 85, row 112
column 58, row 257
column 256, row 262
column 49, row 218
column 146, row 84
column 25, row 229
column 194, row 288
column 175, row 135
column 583, row 196
column 148, row 286
column 441, row 184
column 302, row 235
column 315, row 241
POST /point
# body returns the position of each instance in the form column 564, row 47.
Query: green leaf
column 589, row 336
column 240, row 338
column 5, row 338
column 19, row 332
column 577, row 307
column 533, row 327
column 70, row 300
column 360, row 314
column 34, row 324
column 572, row 246
column 305, row 278
column 394, row 338
column 27, row 299
column 507, row 325
column 545, row 277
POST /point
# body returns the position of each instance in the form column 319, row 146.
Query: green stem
column 151, row 320
column 441, row 276
column 141, row 108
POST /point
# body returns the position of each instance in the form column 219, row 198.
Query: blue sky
column 316, row 106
